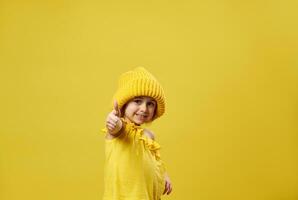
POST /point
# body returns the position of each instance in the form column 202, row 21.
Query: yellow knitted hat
column 140, row 82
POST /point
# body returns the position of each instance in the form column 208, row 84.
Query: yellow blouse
column 133, row 167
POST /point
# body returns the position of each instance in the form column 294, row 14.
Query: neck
column 128, row 120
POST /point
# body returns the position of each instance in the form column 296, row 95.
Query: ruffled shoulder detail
column 131, row 125
column 152, row 145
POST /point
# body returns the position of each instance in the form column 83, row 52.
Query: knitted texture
column 140, row 82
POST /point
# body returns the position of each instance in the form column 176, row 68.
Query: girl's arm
column 168, row 185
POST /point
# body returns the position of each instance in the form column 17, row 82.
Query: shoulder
column 149, row 133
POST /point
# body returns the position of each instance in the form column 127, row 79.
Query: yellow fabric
column 133, row 167
column 140, row 82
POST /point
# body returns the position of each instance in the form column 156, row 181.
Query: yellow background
column 229, row 70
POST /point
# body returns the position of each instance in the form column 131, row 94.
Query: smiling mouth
column 141, row 116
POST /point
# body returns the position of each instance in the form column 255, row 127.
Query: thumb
column 116, row 108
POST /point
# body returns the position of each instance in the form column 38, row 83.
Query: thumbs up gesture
column 113, row 121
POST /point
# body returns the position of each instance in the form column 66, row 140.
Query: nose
column 143, row 107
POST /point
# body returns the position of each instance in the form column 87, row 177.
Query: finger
column 114, row 118
column 167, row 191
column 166, row 188
column 111, row 123
column 164, row 191
column 110, row 127
column 116, row 108
column 170, row 190
column 111, row 117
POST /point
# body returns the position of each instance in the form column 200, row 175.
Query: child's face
column 140, row 110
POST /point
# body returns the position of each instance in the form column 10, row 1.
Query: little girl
column 133, row 166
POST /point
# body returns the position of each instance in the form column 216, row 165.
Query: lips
column 141, row 116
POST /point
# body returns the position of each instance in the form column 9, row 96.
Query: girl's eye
column 151, row 104
column 138, row 101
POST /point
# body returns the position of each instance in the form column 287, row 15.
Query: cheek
column 130, row 110
column 152, row 110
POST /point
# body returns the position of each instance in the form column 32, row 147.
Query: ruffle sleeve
column 154, row 147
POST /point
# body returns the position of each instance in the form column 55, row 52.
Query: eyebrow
column 150, row 100
column 137, row 98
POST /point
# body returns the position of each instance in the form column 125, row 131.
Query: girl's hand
column 113, row 121
column 168, row 185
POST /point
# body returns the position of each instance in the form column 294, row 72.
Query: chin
column 139, row 122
